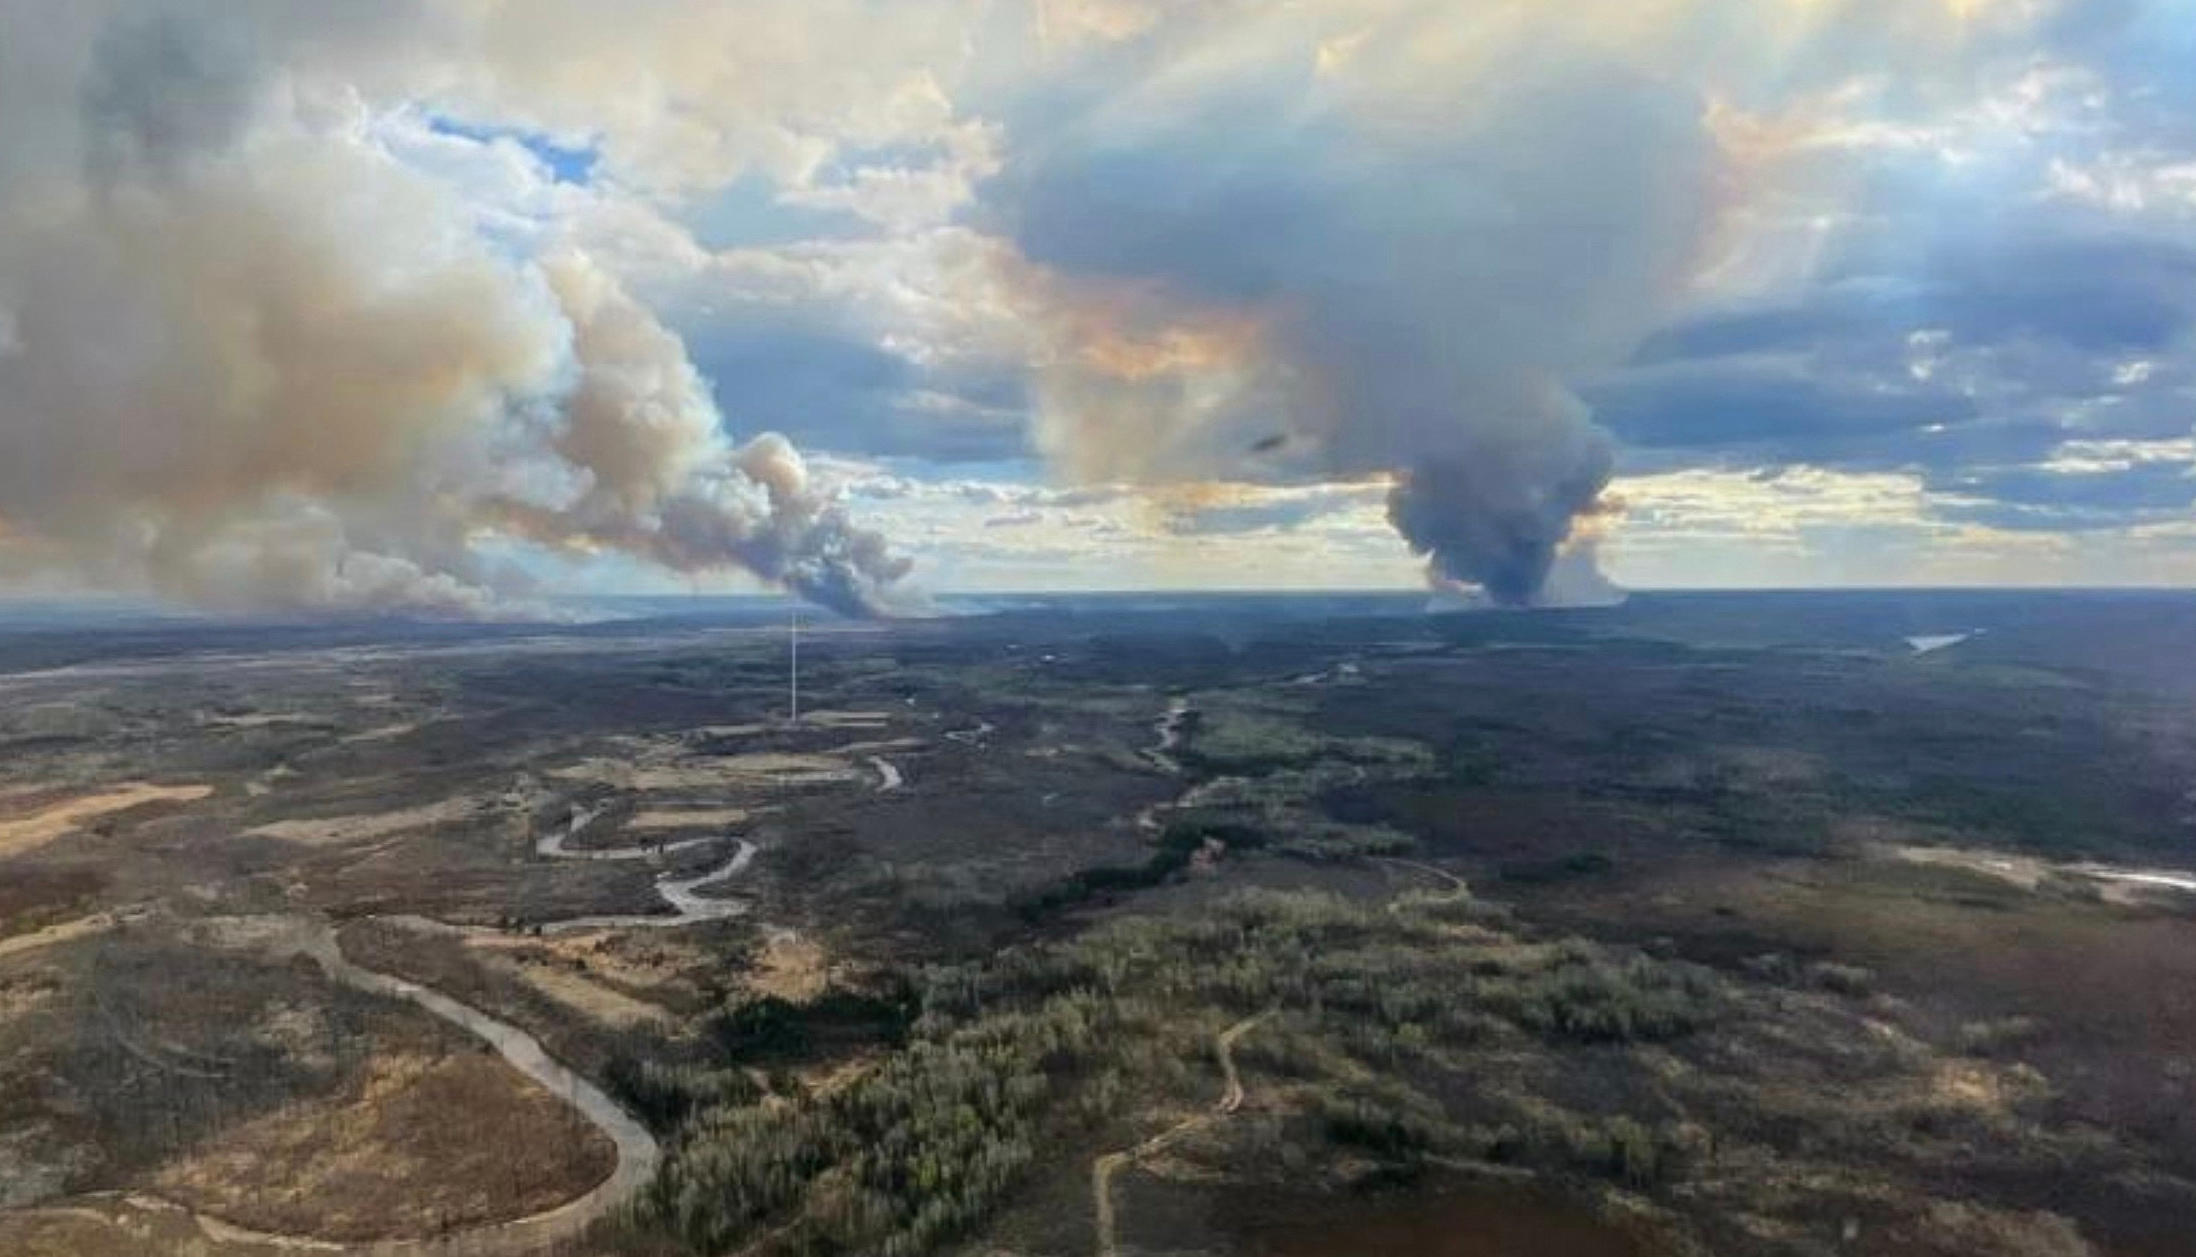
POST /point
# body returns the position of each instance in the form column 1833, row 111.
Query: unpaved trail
column 1454, row 882
column 1458, row 888
column 1102, row 1170
column 1231, row 1093
column 64, row 932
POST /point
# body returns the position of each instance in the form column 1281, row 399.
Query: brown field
column 340, row 831
column 1461, row 1222
column 585, row 995
column 27, row 832
column 401, row 1154
column 685, row 818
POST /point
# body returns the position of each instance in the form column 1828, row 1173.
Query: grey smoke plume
column 1363, row 262
column 1499, row 522
column 660, row 484
column 249, row 360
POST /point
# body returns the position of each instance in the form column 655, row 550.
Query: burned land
column 1781, row 924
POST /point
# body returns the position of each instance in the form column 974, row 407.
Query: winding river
column 687, row 906
column 638, row 1153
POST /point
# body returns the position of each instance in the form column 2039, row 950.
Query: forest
column 1047, row 1045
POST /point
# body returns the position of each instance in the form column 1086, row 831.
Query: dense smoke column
column 1344, row 260
column 1499, row 517
column 664, row 485
column 767, row 517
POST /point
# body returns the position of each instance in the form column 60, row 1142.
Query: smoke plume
column 659, row 482
column 1497, row 519
column 249, row 360
column 1354, row 260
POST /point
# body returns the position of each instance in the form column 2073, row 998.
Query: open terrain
column 1289, row 926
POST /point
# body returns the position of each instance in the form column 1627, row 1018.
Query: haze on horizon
column 450, row 308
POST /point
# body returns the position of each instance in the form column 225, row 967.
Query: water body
column 687, row 906
column 971, row 737
column 679, row 892
column 1936, row 641
column 180, row 1230
column 638, row 1153
column 1168, row 728
column 2140, row 877
column 2029, row 872
column 557, row 844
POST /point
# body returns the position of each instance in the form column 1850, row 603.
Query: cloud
column 1398, row 239
column 836, row 389
column 1973, row 360
column 1270, row 244
column 1281, row 511
column 1776, row 409
column 280, row 306
column 2071, row 499
column 259, row 362
column 2099, row 294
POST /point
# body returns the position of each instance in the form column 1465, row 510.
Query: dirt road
column 1103, row 1169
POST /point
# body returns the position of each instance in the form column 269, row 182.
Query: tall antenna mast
column 793, row 663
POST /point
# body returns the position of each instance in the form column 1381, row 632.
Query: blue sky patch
column 566, row 164
column 749, row 214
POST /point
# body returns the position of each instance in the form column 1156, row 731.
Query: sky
column 452, row 306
